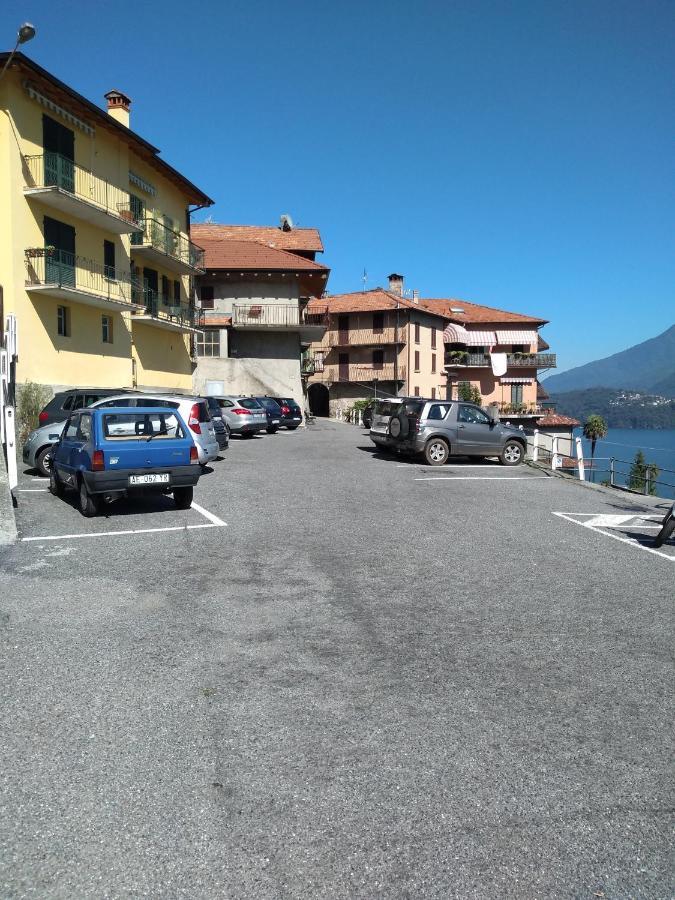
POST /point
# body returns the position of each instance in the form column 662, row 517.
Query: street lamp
column 24, row 34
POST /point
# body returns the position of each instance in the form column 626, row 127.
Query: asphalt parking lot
column 340, row 674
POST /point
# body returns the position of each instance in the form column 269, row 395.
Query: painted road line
column 484, row 478
column 33, row 490
column 624, row 540
column 94, row 534
column 455, row 466
column 208, row 515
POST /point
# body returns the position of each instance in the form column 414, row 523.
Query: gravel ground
column 364, row 685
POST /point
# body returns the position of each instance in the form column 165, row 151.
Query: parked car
column 291, row 414
column 64, row 402
column 273, row 411
column 221, row 427
column 381, row 405
column 37, row 449
column 111, row 452
column 438, row 429
column 244, row 415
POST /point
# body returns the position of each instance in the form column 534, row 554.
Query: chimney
column 416, row 296
column 396, row 284
column 118, row 106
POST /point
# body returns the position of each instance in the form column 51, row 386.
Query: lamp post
column 25, row 33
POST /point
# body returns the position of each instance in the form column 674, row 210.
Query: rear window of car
column 270, row 404
column 438, row 410
column 141, row 425
column 412, row 407
column 249, row 403
column 214, row 406
column 384, row 407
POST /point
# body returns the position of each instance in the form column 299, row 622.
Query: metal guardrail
column 67, row 270
column 174, row 244
column 47, row 169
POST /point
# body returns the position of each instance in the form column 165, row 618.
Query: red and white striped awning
column 458, row 334
column 454, row 334
column 516, row 337
column 516, row 380
column 481, row 338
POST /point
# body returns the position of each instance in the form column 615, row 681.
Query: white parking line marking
column 484, row 478
column 457, row 466
column 624, row 540
column 208, row 515
column 33, row 490
column 93, row 534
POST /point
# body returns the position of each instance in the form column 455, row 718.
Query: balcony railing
column 354, row 337
column 311, row 365
column 52, row 170
column 363, row 373
column 70, row 274
column 460, row 358
column 275, row 316
column 172, row 244
column 162, row 308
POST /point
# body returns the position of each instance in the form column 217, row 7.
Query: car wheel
column 55, row 486
column 512, row 454
column 666, row 531
column 183, row 497
column 436, row 452
column 43, row 461
column 89, row 503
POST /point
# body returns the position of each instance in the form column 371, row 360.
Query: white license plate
column 275, row 421
column 149, row 479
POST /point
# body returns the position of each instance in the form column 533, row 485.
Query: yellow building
column 96, row 263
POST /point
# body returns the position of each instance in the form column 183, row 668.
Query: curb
column 8, row 532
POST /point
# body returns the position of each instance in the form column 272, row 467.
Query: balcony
column 66, row 276
column 311, row 365
column 362, row 373
column 62, row 185
column 280, row 317
column 157, row 313
column 461, row 359
column 157, row 243
column 364, row 337
column 523, row 411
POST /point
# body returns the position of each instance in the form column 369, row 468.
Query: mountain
column 648, row 367
column 620, row 409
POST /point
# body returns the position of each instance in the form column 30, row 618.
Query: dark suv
column 438, row 429
column 291, row 414
column 64, row 403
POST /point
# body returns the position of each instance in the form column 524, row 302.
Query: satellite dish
column 286, row 223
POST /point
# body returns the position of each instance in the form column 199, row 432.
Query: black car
column 291, row 414
column 274, row 413
column 221, row 427
column 64, row 403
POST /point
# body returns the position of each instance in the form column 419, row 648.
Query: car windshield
column 141, row 426
column 249, row 403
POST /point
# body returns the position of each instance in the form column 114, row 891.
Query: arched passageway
column 317, row 394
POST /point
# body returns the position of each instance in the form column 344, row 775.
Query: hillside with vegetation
column 619, row 408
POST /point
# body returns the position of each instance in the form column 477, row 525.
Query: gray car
column 194, row 410
column 438, row 429
column 244, row 415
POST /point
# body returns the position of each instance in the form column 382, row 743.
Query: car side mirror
column 493, row 414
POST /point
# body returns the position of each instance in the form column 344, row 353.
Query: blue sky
column 517, row 154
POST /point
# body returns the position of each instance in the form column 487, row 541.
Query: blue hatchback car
column 107, row 453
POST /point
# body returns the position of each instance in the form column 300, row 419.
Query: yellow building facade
column 96, row 264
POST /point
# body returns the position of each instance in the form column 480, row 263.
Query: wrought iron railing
column 50, row 266
column 311, row 365
column 172, row 243
column 462, row 358
column 47, row 169
column 275, row 315
column 162, row 308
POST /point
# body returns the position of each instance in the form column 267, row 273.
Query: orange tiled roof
column 368, row 301
column 474, row 313
column 303, row 239
column 552, row 419
column 252, row 255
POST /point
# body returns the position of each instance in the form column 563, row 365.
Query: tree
column 469, row 393
column 643, row 475
column 595, row 428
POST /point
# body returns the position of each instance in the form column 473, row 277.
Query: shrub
column 32, row 399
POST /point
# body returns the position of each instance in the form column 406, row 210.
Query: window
column 516, row 395
column 208, row 342
column 417, row 332
column 472, row 415
column 109, row 259
column 378, row 323
column 378, row 359
column 63, row 321
column 70, row 433
column 176, row 293
column 106, row 329
column 439, row 410
column 206, row 296
column 140, row 425
column 417, row 360
column 417, row 392
column 433, row 338
column 433, row 360
column 124, row 402
column 165, row 290
column 433, row 393
column 137, row 208
column 84, row 432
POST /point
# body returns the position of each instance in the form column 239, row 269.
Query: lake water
column 623, row 443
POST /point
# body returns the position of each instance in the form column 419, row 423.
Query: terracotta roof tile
column 552, row 419
column 474, row 312
column 252, row 255
column 365, row 301
column 302, row 239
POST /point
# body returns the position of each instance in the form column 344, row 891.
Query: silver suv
column 438, row 429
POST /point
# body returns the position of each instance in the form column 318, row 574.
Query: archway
column 317, row 394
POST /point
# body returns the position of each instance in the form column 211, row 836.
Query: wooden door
column 343, row 330
column 59, row 261
column 343, row 366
